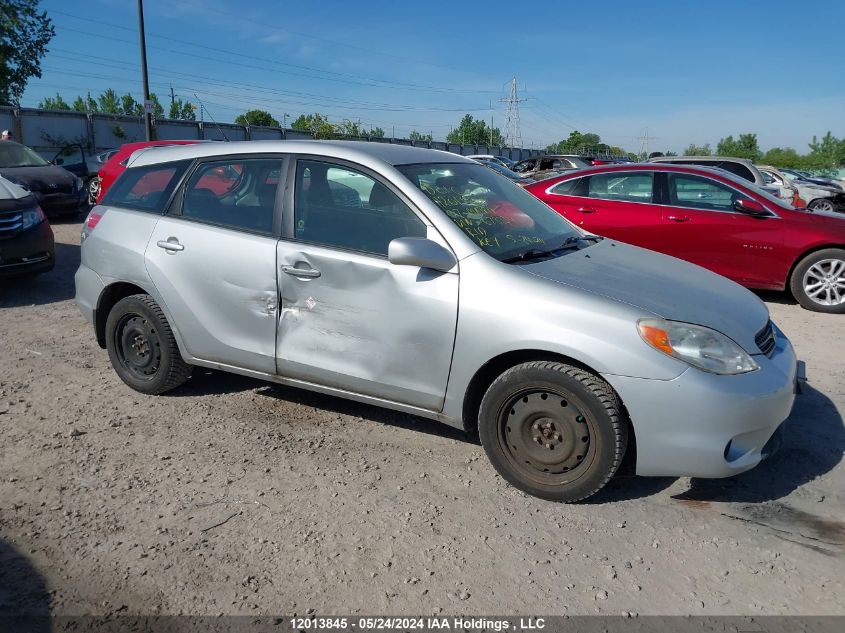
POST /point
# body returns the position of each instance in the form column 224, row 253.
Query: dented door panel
column 220, row 290
column 365, row 325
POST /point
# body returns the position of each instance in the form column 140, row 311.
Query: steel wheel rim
column 93, row 189
column 137, row 345
column 824, row 282
column 546, row 437
column 824, row 205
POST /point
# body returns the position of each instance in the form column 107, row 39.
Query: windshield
column 502, row 170
column 496, row 214
column 14, row 155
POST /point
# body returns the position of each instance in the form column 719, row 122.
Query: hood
column 40, row 178
column 11, row 191
column 660, row 285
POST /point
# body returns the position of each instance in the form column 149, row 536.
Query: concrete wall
column 46, row 131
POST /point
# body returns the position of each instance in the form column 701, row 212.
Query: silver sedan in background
column 421, row 281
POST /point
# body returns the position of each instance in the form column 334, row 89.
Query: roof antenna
column 219, row 129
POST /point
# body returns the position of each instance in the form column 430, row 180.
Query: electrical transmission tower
column 645, row 139
column 513, row 135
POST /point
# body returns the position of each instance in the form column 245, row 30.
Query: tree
column 826, row 154
column 109, row 102
column 576, row 143
column 130, row 107
column 419, row 136
column 50, row 103
column 782, row 157
column 257, row 117
column 158, row 110
column 182, row 111
column 24, row 35
column 698, row 150
column 88, row 104
column 744, row 147
column 317, row 124
column 475, row 132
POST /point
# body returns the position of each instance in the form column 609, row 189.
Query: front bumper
column 705, row 425
column 29, row 252
column 62, row 203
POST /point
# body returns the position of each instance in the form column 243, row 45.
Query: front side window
column 696, row 192
column 145, row 188
column 625, row 187
column 236, row 193
column 499, row 216
column 344, row 208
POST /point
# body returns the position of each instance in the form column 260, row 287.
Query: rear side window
column 571, row 187
column 146, row 188
column 626, row 187
column 236, row 193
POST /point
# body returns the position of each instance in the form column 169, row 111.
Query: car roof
column 670, row 159
column 626, row 167
column 362, row 152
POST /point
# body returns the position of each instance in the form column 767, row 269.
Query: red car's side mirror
column 751, row 207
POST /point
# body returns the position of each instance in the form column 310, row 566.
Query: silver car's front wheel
column 822, row 204
column 818, row 281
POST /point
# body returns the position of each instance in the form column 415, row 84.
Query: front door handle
column 309, row 273
column 170, row 244
column 679, row 218
column 586, row 210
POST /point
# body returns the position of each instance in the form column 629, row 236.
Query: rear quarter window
column 146, row 188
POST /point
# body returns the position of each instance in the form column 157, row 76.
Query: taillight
column 92, row 220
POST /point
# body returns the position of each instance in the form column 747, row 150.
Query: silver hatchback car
column 424, row 282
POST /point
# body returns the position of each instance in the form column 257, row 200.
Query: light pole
column 148, row 123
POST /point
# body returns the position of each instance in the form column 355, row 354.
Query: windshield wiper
column 570, row 243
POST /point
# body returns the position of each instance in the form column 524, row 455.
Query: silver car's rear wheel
column 818, row 281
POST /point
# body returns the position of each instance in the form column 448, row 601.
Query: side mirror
column 419, row 251
column 751, row 207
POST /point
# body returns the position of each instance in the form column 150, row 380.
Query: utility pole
column 513, row 134
column 644, row 139
column 172, row 96
column 491, row 130
column 285, row 120
column 148, row 121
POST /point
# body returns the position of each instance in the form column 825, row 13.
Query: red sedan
column 710, row 218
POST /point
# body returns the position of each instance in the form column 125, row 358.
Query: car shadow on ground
column 782, row 297
column 52, row 287
column 24, row 596
column 813, row 444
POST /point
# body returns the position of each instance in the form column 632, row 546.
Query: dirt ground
column 235, row 496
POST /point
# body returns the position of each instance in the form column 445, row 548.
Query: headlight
column 31, row 217
column 699, row 346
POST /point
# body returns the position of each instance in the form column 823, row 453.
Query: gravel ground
column 236, row 496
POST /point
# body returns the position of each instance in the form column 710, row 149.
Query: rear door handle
column 586, row 210
column 309, row 273
column 170, row 244
column 679, row 218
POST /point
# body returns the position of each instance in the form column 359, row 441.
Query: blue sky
column 686, row 71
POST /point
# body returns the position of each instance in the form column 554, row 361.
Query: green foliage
column 130, row 107
column 348, row 128
column 182, row 111
column 158, row 110
column 744, row 147
column 698, row 150
column 419, row 136
column 578, row 143
column 475, row 132
column 315, row 123
column 109, row 102
column 88, row 104
column 257, row 117
column 782, row 157
column 57, row 103
column 24, row 35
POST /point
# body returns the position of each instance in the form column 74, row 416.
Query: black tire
column 824, row 204
column 813, row 267
column 553, row 430
column 142, row 348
